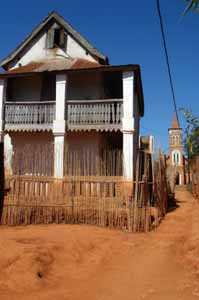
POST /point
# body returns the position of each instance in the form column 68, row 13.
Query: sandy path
column 82, row 262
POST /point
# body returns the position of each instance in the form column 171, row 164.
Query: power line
column 167, row 58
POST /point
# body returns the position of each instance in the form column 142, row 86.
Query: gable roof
column 60, row 20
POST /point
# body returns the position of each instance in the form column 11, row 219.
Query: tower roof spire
column 175, row 122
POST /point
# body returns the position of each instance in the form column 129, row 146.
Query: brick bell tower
column 176, row 157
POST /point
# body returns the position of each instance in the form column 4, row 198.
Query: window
column 56, row 37
column 176, row 157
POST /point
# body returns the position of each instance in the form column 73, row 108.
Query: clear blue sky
column 128, row 32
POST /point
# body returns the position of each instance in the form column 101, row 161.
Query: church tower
column 176, row 157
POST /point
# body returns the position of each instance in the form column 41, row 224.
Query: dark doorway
column 177, row 179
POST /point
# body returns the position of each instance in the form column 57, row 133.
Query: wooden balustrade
column 29, row 115
column 94, row 114
column 80, row 115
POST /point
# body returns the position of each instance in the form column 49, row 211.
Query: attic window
column 56, row 37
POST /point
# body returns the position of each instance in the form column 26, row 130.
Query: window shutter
column 63, row 39
column 50, row 39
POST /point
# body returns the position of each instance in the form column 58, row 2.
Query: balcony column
column 2, row 97
column 59, row 125
column 128, row 124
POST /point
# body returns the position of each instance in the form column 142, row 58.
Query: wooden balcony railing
column 103, row 114
column 80, row 115
column 29, row 115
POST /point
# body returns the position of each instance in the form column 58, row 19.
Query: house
column 58, row 90
column 176, row 160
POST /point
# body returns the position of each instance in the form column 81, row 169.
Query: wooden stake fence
column 194, row 168
column 106, row 201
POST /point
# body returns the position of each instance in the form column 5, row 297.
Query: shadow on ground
column 173, row 203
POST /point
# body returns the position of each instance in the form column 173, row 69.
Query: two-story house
column 58, row 89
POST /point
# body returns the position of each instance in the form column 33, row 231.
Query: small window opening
column 57, row 37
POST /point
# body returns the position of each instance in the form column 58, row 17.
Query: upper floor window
column 56, row 37
column 175, row 140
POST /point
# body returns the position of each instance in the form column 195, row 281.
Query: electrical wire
column 167, row 58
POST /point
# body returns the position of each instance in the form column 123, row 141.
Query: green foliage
column 192, row 5
column 191, row 141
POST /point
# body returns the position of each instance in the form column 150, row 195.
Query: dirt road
column 82, row 262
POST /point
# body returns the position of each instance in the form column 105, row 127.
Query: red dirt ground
column 81, row 262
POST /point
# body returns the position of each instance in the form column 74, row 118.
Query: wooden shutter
column 50, row 39
column 63, row 39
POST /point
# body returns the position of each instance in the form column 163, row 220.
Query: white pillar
column 59, row 156
column 2, row 97
column 8, row 155
column 59, row 125
column 128, row 124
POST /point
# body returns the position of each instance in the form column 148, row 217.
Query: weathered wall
column 32, row 153
column 25, row 88
column 85, row 86
column 93, row 154
column 75, row 50
column 92, row 140
column 37, row 51
column 33, row 138
column 136, row 128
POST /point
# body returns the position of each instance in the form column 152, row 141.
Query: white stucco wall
column 38, row 51
column 75, row 50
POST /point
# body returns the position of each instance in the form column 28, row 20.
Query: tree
column 191, row 140
column 192, row 5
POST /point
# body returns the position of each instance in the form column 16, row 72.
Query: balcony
column 94, row 114
column 29, row 116
column 97, row 115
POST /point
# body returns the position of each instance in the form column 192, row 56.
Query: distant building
column 147, row 144
column 176, row 159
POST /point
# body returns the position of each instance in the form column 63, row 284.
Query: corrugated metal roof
column 50, row 65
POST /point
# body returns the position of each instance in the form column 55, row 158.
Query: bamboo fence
column 92, row 192
column 194, row 168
